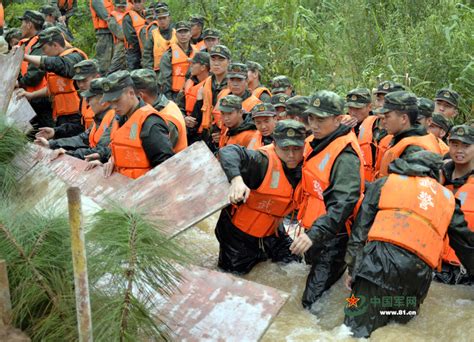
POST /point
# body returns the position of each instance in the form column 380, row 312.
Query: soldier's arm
column 61, row 65
column 133, row 54
column 340, row 197
column 410, row 149
column 155, row 140
column 461, row 239
column 147, row 58
column 99, row 8
column 173, row 133
column 71, row 143
column 33, row 75
column 238, row 161
column 115, row 28
column 165, row 74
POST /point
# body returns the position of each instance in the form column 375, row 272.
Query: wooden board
column 215, row 306
column 10, row 67
column 20, row 113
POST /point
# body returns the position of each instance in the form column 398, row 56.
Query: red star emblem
column 352, row 301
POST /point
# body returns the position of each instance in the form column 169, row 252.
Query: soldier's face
column 360, row 113
column 183, row 36
column 232, row 119
column 288, row 91
column 425, row 122
column 445, row 108
column 164, row 22
column 265, row 124
column 252, row 75
column 437, row 131
column 211, row 42
column 290, row 155
column 379, row 100
column 322, row 127
column 26, row 28
column 395, row 123
column 123, row 105
column 196, row 30
column 51, row 49
column 237, row 85
column 219, row 65
column 138, row 5
column 85, row 83
column 197, row 69
column 460, row 152
column 96, row 105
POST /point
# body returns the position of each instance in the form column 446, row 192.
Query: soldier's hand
column 45, row 132
column 215, row 137
column 238, row 192
column 57, row 153
column 109, row 168
column 348, row 282
column 42, row 142
column 92, row 164
column 93, row 156
column 21, row 93
column 301, row 244
column 349, row 121
column 190, row 121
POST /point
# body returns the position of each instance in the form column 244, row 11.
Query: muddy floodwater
column 447, row 314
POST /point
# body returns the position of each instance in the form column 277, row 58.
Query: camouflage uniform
column 104, row 47
column 280, row 84
column 54, row 11
column 118, row 61
column 254, row 66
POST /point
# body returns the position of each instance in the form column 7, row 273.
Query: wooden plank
column 182, row 191
column 227, row 308
column 20, row 113
column 11, row 64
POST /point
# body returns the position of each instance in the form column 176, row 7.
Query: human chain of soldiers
column 379, row 183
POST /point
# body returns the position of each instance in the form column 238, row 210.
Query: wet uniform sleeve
column 411, row 149
column 164, row 79
column 33, row 75
column 238, row 161
column 155, row 140
column 340, row 197
column 115, row 28
column 99, row 8
column 363, row 223
column 63, row 65
column 133, row 54
column 461, row 239
column 71, row 143
column 147, row 59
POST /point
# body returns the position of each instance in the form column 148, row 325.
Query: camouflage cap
column 197, row 20
column 441, row 121
column 254, row 66
column 463, row 133
column 386, row 87
column 325, row 103
column 289, row 133
column 143, row 78
column 448, row 95
column 358, row 98
column 84, row 69
column 33, row 16
column 12, row 33
column 230, row 103
column 211, row 33
column 162, row 10
column 399, row 100
column 237, row 70
column 95, row 88
column 120, row 3
column 202, row 58
column 183, row 26
column 279, row 84
column 114, row 84
column 297, row 105
column 150, row 12
column 279, row 100
column 50, row 10
column 48, row 35
column 425, row 107
column 263, row 109
column 220, row 50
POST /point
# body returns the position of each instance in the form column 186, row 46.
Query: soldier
column 211, row 38
column 397, row 241
column 142, row 132
column 425, row 111
column 383, row 89
column 159, row 39
column 59, row 64
column 197, row 24
column 132, row 23
column 115, row 22
column 104, row 48
column 282, row 84
column 400, row 112
column 446, row 102
column 13, row 37
column 331, row 189
column 296, row 107
column 254, row 77
column 264, row 118
column 279, row 102
column 237, row 79
column 237, row 129
column 31, row 77
column 51, row 15
column 146, row 87
column 459, row 178
column 66, row 9
column 253, row 232
column 175, row 62
column 440, row 127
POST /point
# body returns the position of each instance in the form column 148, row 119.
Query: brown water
column 446, row 315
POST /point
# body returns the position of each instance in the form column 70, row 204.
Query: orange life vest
column 366, row 141
column 382, row 147
column 258, row 141
column 443, row 147
column 200, row 45
column 266, row 206
column 96, row 20
column 138, row 22
column 246, row 139
column 65, row 4
column 96, row 133
column 2, row 16
column 465, row 194
column 64, row 94
column 316, row 176
column 172, row 113
column 190, row 94
column 247, row 105
column 119, row 17
column 127, row 150
column 87, row 114
column 28, row 43
column 414, row 213
column 427, row 142
column 179, row 66
column 160, row 46
column 257, row 92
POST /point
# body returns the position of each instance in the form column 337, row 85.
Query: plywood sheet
column 10, row 67
column 20, row 113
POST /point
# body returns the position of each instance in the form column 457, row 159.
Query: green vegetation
column 340, row 44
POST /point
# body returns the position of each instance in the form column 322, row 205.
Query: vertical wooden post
column 81, row 283
column 5, row 302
